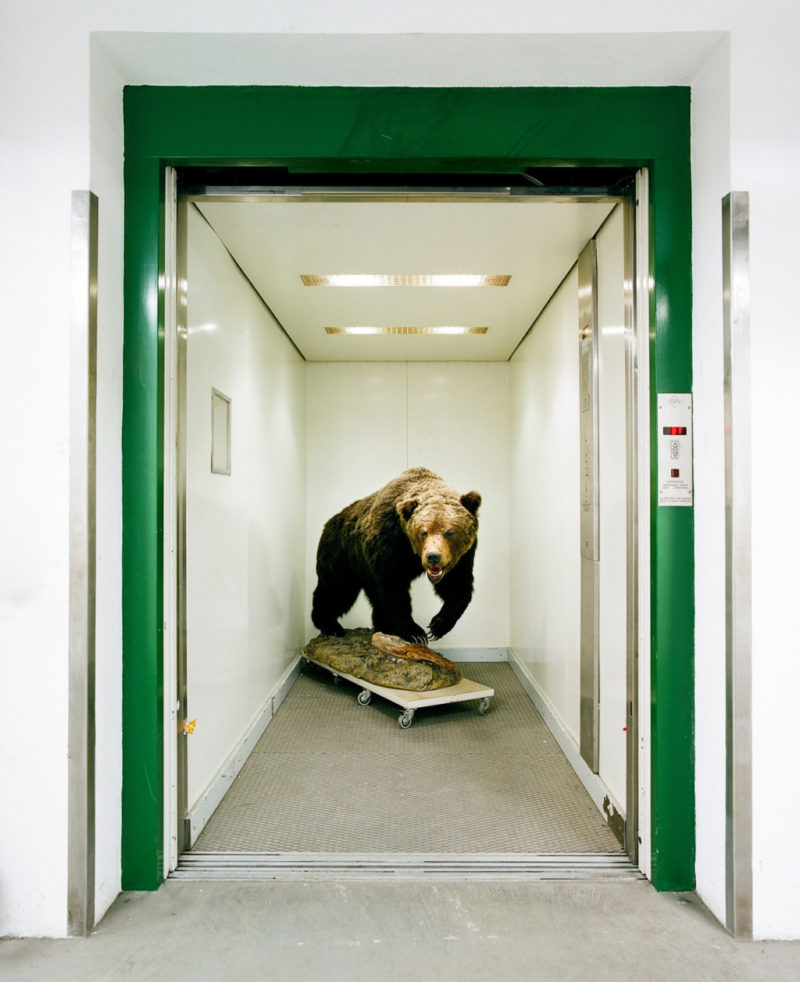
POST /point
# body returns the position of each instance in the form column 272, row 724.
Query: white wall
column 245, row 531
column 36, row 127
column 47, row 149
column 367, row 422
column 765, row 142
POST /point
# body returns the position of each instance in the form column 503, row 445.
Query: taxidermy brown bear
column 379, row 544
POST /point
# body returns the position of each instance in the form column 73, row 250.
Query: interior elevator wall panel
column 458, row 427
column 367, row 422
column 613, row 515
column 245, row 585
column 356, row 441
column 544, row 507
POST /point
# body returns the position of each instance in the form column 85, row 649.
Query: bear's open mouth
column 434, row 573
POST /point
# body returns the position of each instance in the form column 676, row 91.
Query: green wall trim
column 142, row 533
column 420, row 130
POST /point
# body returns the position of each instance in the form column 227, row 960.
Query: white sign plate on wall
column 675, row 449
column 220, row 433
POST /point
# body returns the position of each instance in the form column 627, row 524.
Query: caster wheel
column 483, row 706
column 365, row 697
column 406, row 719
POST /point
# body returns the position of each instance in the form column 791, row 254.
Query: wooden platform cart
column 409, row 701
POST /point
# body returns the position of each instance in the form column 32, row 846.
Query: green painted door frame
column 372, row 130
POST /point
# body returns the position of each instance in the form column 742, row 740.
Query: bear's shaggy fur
column 379, row 544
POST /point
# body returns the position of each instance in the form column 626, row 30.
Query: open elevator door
column 621, row 814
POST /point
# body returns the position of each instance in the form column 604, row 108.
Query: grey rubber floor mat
column 330, row 775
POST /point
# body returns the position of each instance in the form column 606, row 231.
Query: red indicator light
column 674, row 431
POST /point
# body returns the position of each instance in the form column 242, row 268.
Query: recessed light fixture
column 405, row 279
column 406, row 330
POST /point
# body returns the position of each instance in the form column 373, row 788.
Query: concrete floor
column 334, row 930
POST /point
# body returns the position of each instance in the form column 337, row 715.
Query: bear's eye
column 448, row 534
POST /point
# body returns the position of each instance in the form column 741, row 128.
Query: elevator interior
column 283, row 417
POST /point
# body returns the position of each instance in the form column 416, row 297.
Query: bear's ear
column 405, row 509
column 471, row 501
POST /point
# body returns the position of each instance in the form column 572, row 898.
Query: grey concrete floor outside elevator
column 311, row 926
column 375, row 931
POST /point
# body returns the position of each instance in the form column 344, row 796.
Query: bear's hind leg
column 331, row 599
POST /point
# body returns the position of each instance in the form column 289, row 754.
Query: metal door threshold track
column 334, row 788
column 326, row 866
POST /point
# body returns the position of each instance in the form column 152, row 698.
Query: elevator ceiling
column 277, row 240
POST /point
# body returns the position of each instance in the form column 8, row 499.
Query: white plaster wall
column 34, row 494
column 544, row 505
column 765, row 142
column 244, row 531
column 34, row 570
column 367, row 422
column 47, row 149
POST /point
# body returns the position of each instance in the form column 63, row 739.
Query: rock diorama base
column 383, row 660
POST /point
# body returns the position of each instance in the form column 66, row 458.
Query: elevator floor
column 330, row 776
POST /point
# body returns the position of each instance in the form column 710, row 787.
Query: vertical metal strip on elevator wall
column 589, row 350
column 738, row 601
column 82, row 566
column 174, row 316
column 183, row 825
column 634, row 210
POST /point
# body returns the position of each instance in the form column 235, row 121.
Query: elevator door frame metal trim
column 589, row 407
column 178, row 836
column 174, row 509
column 81, row 741
column 637, row 384
column 738, row 565
column 433, row 131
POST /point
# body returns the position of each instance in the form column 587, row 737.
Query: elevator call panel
column 675, row 480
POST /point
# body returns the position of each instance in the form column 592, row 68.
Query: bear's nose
column 433, row 558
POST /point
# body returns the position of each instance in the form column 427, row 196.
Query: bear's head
column 439, row 529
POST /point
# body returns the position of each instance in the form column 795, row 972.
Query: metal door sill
column 593, row 867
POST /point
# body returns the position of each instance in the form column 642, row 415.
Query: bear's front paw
column 439, row 626
column 415, row 635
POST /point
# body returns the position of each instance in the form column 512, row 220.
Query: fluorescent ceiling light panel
column 406, row 330
column 405, row 279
